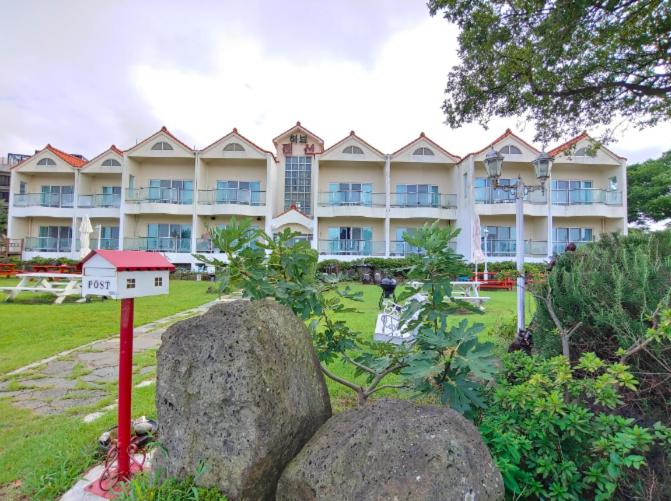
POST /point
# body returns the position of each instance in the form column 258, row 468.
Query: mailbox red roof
column 132, row 260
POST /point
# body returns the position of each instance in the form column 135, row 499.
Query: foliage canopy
column 649, row 189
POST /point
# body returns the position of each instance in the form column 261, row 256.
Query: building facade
column 349, row 200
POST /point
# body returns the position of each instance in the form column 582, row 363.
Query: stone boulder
column 239, row 390
column 393, row 450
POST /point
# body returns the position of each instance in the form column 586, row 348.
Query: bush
column 551, row 432
column 616, row 288
column 148, row 487
column 510, row 267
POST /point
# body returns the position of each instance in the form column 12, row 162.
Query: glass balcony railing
column 488, row 195
column 351, row 247
column 105, row 243
column 64, row 200
column 403, row 248
column 99, row 200
column 560, row 247
column 496, row 248
column 351, row 199
column 587, row 196
column 436, row 200
column 158, row 244
column 160, row 195
column 232, row 196
column 47, row 244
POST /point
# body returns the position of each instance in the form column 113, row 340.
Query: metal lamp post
column 542, row 165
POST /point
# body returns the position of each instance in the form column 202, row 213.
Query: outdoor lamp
column 493, row 164
column 542, row 165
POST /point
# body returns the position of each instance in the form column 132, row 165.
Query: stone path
column 79, row 381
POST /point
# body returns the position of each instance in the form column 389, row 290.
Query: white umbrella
column 477, row 255
column 85, row 230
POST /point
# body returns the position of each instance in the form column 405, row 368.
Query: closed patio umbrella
column 476, row 245
column 85, row 230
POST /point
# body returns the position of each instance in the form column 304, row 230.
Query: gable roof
column 165, row 131
column 127, row 260
column 506, row 134
column 573, row 141
column 424, row 137
column 351, row 134
column 235, row 132
column 112, row 149
column 71, row 160
column 299, row 126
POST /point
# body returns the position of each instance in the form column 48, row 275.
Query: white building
column 350, row 199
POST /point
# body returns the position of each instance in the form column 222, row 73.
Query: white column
column 549, row 218
column 519, row 251
column 194, row 205
column 622, row 181
column 122, row 203
column 387, row 204
column 270, row 194
column 315, row 200
column 13, row 181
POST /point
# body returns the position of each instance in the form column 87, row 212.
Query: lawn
column 40, row 457
column 31, row 328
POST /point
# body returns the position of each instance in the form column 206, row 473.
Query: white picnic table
column 60, row 285
column 466, row 291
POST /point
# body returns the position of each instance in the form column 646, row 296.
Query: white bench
column 60, row 285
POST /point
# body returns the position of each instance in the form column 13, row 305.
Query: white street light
column 542, row 167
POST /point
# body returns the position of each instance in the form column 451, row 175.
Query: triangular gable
column 298, row 128
column 583, row 139
column 64, row 161
column 95, row 164
column 292, row 216
column 143, row 148
column 406, row 153
column 508, row 137
column 251, row 149
column 336, row 152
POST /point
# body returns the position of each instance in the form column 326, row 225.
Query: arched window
column 423, row 151
column 233, row 147
column 584, row 152
column 510, row 150
column 161, row 145
column 110, row 162
column 46, row 161
column 353, row 150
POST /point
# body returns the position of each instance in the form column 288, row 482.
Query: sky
column 83, row 74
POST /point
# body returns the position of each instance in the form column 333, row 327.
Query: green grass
column 32, row 328
column 41, row 457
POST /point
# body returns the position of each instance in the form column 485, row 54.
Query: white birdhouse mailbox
column 125, row 274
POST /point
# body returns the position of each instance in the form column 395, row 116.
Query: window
column 612, row 183
column 466, row 185
column 171, row 191
column 298, row 183
column 110, row 162
column 353, row 150
column 350, row 194
column 584, row 152
column 130, row 283
column 233, row 147
column 563, row 236
column 169, row 237
column 510, row 150
column 423, row 151
column 238, row 192
column 46, row 161
column 485, row 194
column 498, row 240
column 161, row 146
column 577, row 191
column 417, row 195
column 57, row 196
column 109, row 237
column 158, row 281
column 350, row 240
column 52, row 239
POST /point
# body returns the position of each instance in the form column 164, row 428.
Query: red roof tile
column 352, row 134
column 235, row 132
column 507, row 133
column 112, row 148
column 299, row 126
column 71, row 160
column 165, row 130
column 126, row 260
column 573, row 141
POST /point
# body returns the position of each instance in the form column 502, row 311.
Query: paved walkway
column 78, row 380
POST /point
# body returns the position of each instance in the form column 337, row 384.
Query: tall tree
column 649, row 189
column 3, row 217
column 566, row 65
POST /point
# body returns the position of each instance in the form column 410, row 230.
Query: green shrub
column 616, row 288
column 149, row 487
column 551, row 432
column 509, row 266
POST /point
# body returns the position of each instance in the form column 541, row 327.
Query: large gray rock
column 393, row 450
column 240, row 391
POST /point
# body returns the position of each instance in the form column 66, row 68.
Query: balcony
column 232, row 196
column 100, row 200
column 105, row 243
column 160, row 196
column 560, row 247
column 158, row 244
column 351, row 247
column 586, row 196
column 508, row 248
column 47, row 244
column 351, row 198
column 401, row 248
column 55, row 200
column 424, row 200
column 488, row 195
